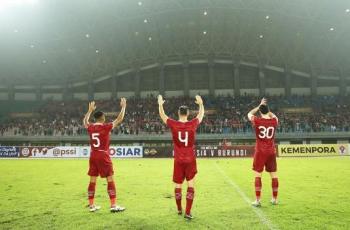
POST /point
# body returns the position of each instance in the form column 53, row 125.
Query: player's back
column 265, row 130
column 184, row 138
column 100, row 136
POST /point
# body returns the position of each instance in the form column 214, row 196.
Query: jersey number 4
column 97, row 139
column 266, row 133
column 183, row 140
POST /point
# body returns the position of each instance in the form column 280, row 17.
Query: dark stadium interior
column 75, row 44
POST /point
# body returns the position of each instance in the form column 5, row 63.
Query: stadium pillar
column 91, row 90
column 137, row 83
column 342, row 84
column 186, row 67
column 287, row 83
column 313, row 80
column 114, row 87
column 237, row 91
column 38, row 93
column 262, row 89
column 11, row 92
column 211, row 77
column 161, row 79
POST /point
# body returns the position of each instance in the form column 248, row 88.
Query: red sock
column 258, row 186
column 91, row 193
column 274, row 185
column 189, row 200
column 178, row 196
column 111, row 192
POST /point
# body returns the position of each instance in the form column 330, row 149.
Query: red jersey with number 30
column 265, row 130
column 99, row 136
column 184, row 138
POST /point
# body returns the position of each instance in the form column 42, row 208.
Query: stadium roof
column 58, row 41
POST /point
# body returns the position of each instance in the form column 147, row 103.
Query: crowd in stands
column 224, row 115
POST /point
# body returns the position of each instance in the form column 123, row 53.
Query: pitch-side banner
column 202, row 151
column 9, row 151
column 225, row 151
column 158, row 152
column 53, row 152
column 117, row 151
column 313, row 150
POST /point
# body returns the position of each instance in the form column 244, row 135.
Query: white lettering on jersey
column 183, row 140
column 97, row 139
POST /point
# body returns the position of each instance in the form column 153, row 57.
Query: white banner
column 117, row 151
column 57, row 151
column 126, row 151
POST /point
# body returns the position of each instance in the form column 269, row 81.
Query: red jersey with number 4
column 99, row 136
column 184, row 138
column 265, row 130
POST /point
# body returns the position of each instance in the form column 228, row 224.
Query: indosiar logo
column 126, row 152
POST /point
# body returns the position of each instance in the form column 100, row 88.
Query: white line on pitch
column 263, row 218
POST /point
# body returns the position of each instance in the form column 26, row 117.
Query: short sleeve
column 170, row 123
column 253, row 120
column 109, row 126
column 195, row 123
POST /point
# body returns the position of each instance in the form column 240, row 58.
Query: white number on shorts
column 266, row 132
column 95, row 138
column 183, row 140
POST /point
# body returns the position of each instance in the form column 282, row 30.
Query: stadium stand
column 225, row 115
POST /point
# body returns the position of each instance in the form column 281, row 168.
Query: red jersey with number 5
column 265, row 130
column 184, row 138
column 100, row 136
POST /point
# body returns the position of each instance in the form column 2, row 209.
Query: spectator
column 224, row 115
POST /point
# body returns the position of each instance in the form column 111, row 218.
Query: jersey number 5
column 266, row 132
column 183, row 140
column 97, row 139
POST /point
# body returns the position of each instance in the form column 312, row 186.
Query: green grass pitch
column 51, row 194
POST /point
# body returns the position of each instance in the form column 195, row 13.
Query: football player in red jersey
column 265, row 150
column 100, row 163
column 184, row 137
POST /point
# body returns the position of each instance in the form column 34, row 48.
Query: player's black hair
column 98, row 114
column 183, row 110
column 264, row 109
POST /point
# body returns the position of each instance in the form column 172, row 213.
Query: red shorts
column 184, row 171
column 100, row 165
column 262, row 160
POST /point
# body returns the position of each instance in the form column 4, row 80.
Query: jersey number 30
column 183, row 140
column 266, row 132
column 97, row 139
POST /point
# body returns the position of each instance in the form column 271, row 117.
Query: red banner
column 225, row 151
column 203, row 151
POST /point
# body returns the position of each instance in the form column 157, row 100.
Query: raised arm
column 92, row 107
column 162, row 114
column 199, row 101
column 121, row 115
column 256, row 109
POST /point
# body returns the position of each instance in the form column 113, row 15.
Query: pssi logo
column 125, row 152
column 63, row 152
